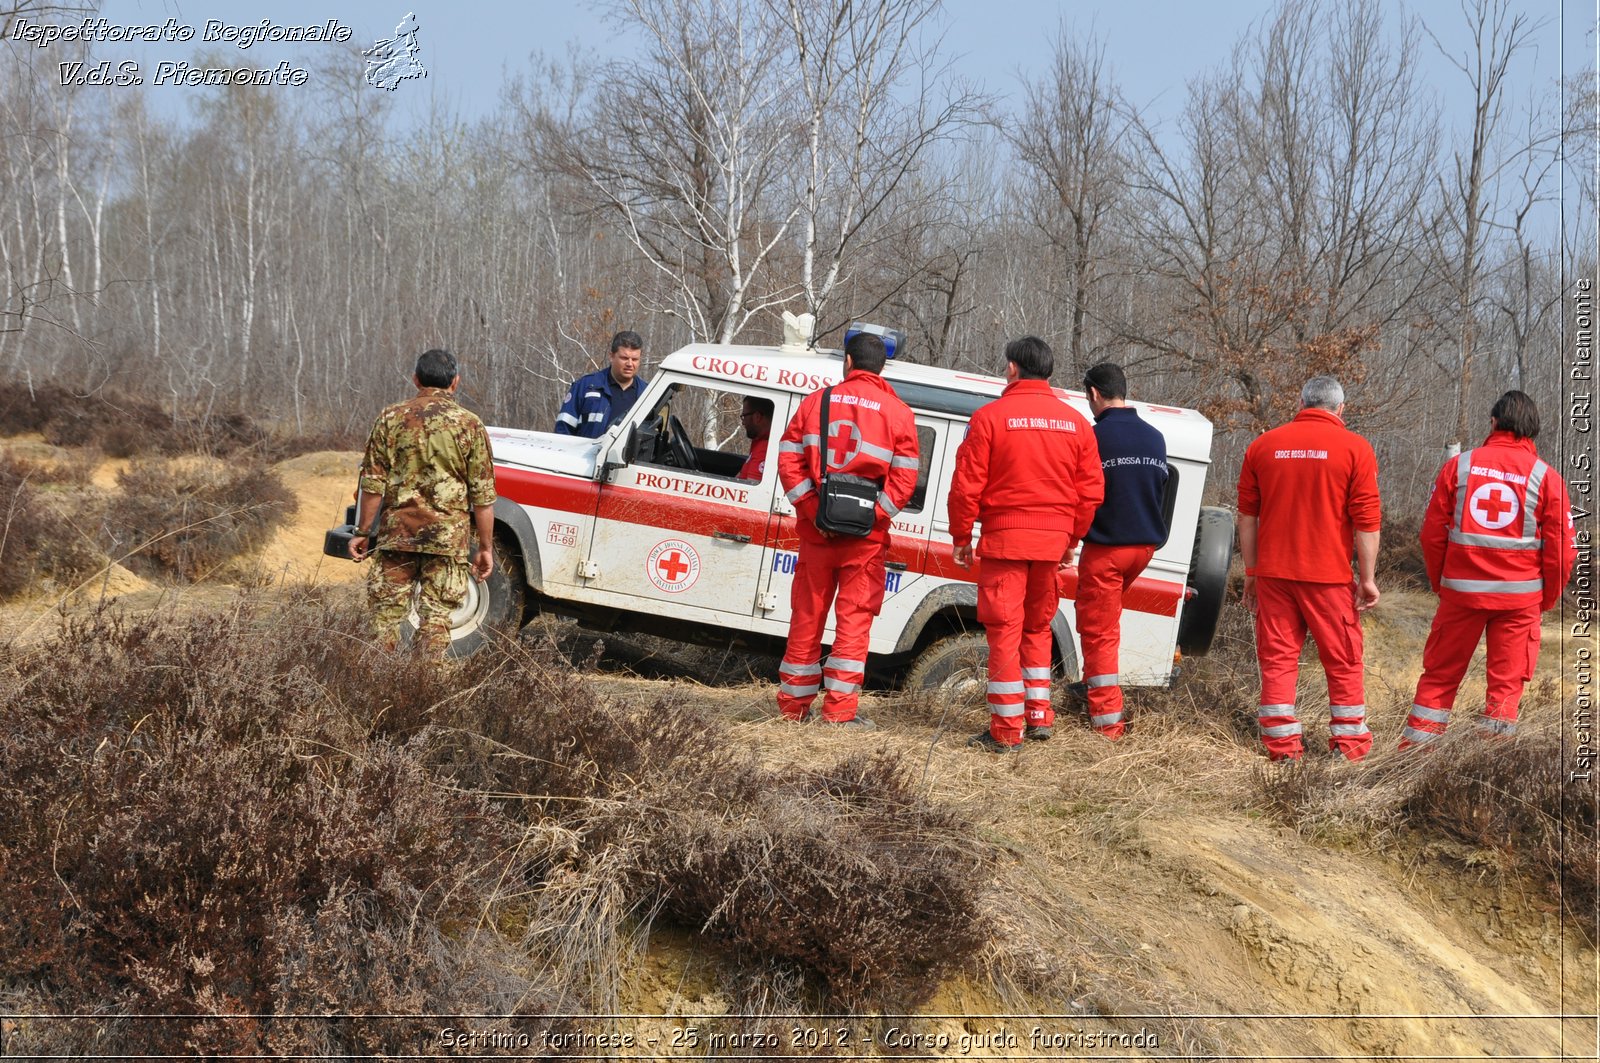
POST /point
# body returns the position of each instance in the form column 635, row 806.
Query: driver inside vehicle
column 755, row 416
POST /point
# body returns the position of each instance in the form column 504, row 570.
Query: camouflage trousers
column 437, row 583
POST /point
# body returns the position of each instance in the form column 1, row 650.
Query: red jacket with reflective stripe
column 1497, row 533
column 871, row 434
column 1029, row 469
column 1311, row 484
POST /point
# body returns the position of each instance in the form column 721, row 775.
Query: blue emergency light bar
column 893, row 339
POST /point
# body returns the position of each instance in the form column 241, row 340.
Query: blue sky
column 1154, row 46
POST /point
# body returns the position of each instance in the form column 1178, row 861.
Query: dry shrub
column 188, row 517
column 847, row 872
column 1514, row 798
column 123, row 426
column 255, row 812
column 191, row 829
column 1400, row 563
column 35, row 541
column 1508, row 797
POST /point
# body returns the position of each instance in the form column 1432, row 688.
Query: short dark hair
column 1515, row 412
column 1108, row 379
column 436, row 368
column 759, row 405
column 626, row 339
column 1032, row 357
column 867, row 352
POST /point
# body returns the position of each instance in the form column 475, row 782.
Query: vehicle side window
column 926, row 439
column 704, row 430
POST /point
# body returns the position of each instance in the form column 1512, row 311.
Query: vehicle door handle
column 732, row 537
column 898, row 566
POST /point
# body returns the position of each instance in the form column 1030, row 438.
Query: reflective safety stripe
column 1494, row 542
column 1530, row 500
column 1005, row 710
column 839, row 686
column 1106, row 719
column 810, row 441
column 1493, row 586
column 814, row 668
column 904, row 463
column 888, row 506
column 1346, row 712
column 1036, row 673
column 1463, row 474
column 1036, row 693
column 1275, row 710
column 598, row 415
column 567, row 419
column 1347, row 730
column 1411, row 734
column 1108, row 680
column 1422, row 712
column 796, row 690
column 801, row 489
column 1497, row 726
column 839, row 664
column 1005, row 688
column 872, row 450
column 1282, row 730
column 786, row 447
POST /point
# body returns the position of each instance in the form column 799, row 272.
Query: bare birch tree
column 1471, row 193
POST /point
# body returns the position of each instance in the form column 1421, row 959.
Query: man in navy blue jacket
column 1126, row 531
column 600, row 399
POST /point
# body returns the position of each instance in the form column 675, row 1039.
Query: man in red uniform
column 1497, row 540
column 872, row 435
column 1029, row 470
column 1123, row 538
column 756, row 417
column 1308, row 497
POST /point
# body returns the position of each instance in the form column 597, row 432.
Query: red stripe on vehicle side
column 631, row 505
column 1147, row 595
column 544, row 491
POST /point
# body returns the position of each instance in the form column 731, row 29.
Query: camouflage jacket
column 429, row 458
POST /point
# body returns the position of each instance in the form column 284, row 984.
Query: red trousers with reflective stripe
column 1016, row 600
column 852, row 570
column 1513, row 652
column 1104, row 574
column 1286, row 610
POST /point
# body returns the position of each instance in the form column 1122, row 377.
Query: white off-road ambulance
column 649, row 528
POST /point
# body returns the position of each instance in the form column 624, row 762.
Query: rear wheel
column 1208, row 578
column 491, row 609
column 954, row 666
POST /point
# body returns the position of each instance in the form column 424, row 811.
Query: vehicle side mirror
column 630, row 452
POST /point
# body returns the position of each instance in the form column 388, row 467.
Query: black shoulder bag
column 847, row 505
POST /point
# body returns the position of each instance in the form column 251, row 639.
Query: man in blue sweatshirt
column 600, row 399
column 1124, row 536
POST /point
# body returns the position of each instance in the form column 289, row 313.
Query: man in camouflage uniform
column 428, row 461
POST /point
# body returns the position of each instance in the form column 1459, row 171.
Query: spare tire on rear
column 1208, row 578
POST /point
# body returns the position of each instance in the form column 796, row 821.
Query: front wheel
column 492, row 608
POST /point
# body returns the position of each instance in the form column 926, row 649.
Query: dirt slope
column 1140, row 886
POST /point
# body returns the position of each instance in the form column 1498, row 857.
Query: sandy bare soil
column 1140, row 882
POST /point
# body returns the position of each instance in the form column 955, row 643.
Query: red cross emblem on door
column 844, row 441
column 673, row 566
column 1494, row 505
